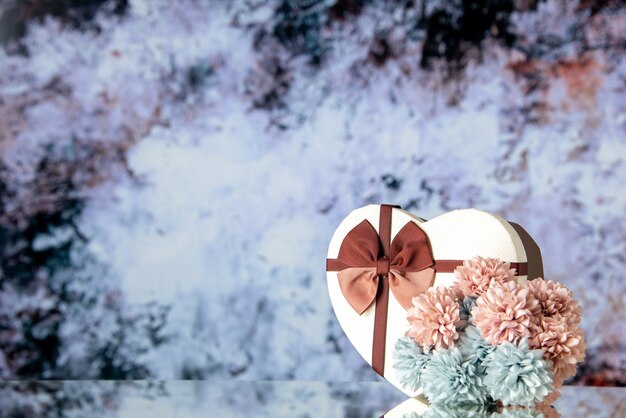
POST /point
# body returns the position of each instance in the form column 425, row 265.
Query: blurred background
column 171, row 172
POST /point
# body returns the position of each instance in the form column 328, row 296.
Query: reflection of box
column 449, row 239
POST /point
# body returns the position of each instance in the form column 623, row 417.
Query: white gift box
column 456, row 235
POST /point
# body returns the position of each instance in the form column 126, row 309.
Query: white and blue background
column 171, row 172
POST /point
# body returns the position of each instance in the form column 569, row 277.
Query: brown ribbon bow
column 361, row 263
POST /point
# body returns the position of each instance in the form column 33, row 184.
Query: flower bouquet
column 489, row 338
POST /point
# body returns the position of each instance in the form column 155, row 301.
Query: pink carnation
column 504, row 313
column 555, row 300
column 562, row 343
column 475, row 276
column 435, row 318
column 561, row 374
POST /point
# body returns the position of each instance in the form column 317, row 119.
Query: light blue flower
column 408, row 361
column 474, row 348
column 446, row 378
column 465, row 310
column 517, row 375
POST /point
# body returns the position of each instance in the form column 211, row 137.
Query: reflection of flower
column 475, row 276
column 518, row 413
column 555, row 300
column 562, row 343
column 409, row 359
column 504, row 313
column 489, row 410
column 517, row 375
column 466, row 410
column 474, row 348
column 446, row 378
column 435, row 318
column 546, row 407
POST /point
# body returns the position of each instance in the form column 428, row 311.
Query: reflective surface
column 250, row 399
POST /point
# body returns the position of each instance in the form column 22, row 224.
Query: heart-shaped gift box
column 381, row 256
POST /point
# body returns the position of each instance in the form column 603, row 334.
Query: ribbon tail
column 380, row 326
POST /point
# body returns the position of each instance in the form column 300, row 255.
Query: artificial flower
column 504, row 313
column 562, row 343
column 446, row 378
column 555, row 300
column 435, row 318
column 408, row 360
column 474, row 348
column 466, row 307
column 476, row 275
column 517, row 375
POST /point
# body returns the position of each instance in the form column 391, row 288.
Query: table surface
column 247, row 399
